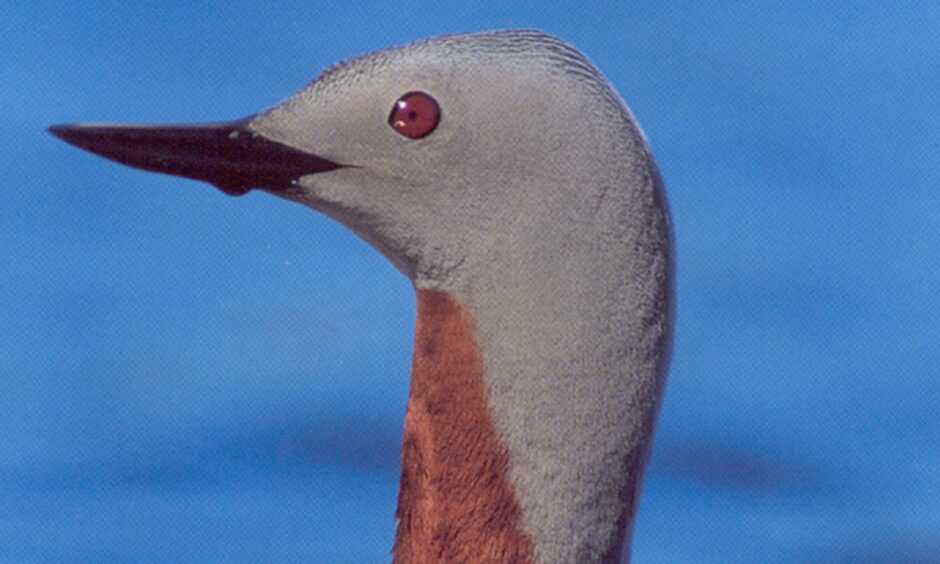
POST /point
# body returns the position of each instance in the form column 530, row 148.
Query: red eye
column 415, row 115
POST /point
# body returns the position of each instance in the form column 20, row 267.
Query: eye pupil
column 415, row 115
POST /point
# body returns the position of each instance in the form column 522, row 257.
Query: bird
column 504, row 176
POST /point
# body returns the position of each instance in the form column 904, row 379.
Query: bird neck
column 538, row 366
column 455, row 501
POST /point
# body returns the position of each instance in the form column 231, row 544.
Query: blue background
column 188, row 376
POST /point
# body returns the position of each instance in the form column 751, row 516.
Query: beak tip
column 68, row 132
column 58, row 129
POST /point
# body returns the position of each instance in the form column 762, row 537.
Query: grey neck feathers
column 572, row 314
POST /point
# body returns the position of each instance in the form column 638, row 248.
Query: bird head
column 434, row 152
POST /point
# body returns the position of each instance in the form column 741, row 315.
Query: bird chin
column 295, row 191
column 317, row 192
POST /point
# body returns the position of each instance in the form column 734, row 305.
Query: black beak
column 227, row 155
